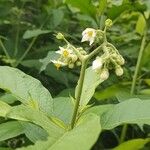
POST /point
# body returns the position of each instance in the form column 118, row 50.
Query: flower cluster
column 109, row 60
column 68, row 57
column 108, row 57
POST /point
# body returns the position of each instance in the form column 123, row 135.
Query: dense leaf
column 140, row 25
column 84, row 6
column 130, row 111
column 63, row 108
column 33, row 132
column 34, row 33
column 132, row 144
column 78, row 138
column 26, row 89
column 10, row 129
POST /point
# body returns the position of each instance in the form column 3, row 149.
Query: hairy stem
column 125, row 127
column 80, row 83
column 78, row 96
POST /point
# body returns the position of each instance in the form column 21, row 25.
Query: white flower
column 104, row 74
column 119, row 71
column 97, row 64
column 88, row 34
column 65, row 52
column 58, row 63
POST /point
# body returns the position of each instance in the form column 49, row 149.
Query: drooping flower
column 104, row 74
column 119, row 71
column 65, row 52
column 97, row 64
column 89, row 34
column 58, row 63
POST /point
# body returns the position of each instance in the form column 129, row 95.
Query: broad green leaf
column 8, row 98
column 63, row 109
column 26, row 89
column 91, row 81
column 4, row 148
column 24, row 113
column 33, row 132
column 102, row 6
column 66, row 93
column 77, row 139
column 85, row 6
column 140, row 25
column 131, row 111
column 146, row 56
column 52, row 55
column 4, row 109
column 99, row 110
column 34, row 33
column 132, row 144
column 57, row 17
column 10, row 129
column 109, row 92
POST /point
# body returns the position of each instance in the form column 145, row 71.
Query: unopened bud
column 104, row 74
column 71, row 66
column 119, row 71
column 74, row 58
column 108, row 23
column 78, row 63
column 60, row 36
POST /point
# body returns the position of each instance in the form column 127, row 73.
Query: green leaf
column 146, row 55
column 24, row 113
column 133, row 144
column 131, row 111
column 77, row 139
column 26, row 89
column 91, row 81
column 4, row 108
column 85, row 6
column 140, row 25
column 99, row 110
column 8, row 98
column 10, row 129
column 102, row 6
column 33, row 132
column 52, row 55
column 109, row 92
column 34, row 33
column 63, row 109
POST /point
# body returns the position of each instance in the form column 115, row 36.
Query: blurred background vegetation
column 27, row 41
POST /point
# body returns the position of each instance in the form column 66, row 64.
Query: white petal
column 97, row 64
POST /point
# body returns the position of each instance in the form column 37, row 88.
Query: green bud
column 60, row 36
column 119, row 71
column 74, row 58
column 71, row 65
column 104, row 74
column 108, row 23
column 78, row 63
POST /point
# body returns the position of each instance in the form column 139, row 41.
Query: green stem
column 17, row 40
column 125, row 127
column 26, row 52
column 138, row 64
column 4, row 49
column 80, row 83
column 78, row 96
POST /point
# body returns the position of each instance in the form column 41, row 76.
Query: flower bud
column 104, row 74
column 108, row 23
column 71, row 65
column 119, row 71
column 60, row 36
column 74, row 58
column 78, row 63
